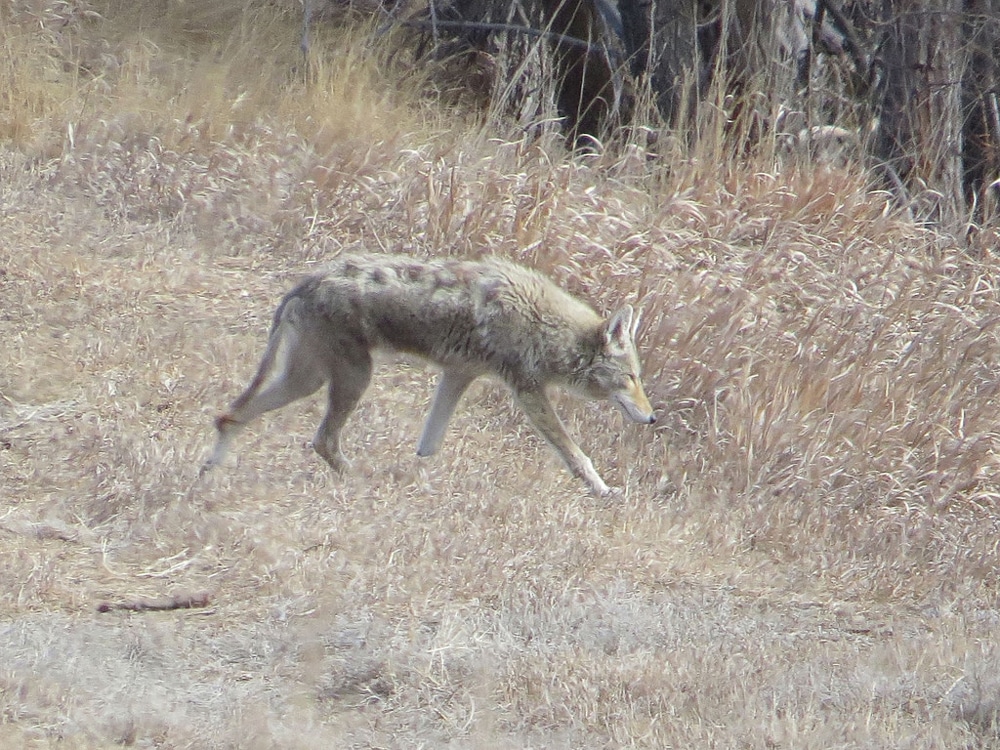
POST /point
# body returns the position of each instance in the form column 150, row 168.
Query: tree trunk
column 918, row 142
column 981, row 104
column 662, row 45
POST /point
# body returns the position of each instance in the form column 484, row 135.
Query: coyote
column 490, row 317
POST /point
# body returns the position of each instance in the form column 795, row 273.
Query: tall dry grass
column 805, row 553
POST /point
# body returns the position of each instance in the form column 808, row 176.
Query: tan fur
column 470, row 318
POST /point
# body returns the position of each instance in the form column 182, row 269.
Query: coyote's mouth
column 633, row 412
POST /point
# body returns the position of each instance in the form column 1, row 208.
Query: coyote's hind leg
column 349, row 379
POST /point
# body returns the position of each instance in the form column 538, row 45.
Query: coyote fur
column 470, row 318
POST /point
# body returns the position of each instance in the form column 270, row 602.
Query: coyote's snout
column 470, row 318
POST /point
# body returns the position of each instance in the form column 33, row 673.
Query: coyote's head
column 614, row 373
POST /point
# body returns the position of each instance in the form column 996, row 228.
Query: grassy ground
column 805, row 555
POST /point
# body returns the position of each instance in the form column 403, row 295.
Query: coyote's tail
column 232, row 421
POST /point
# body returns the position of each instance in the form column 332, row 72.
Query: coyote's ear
column 636, row 322
column 618, row 334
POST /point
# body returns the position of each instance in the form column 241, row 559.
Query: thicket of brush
column 825, row 370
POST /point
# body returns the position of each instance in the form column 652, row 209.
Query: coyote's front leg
column 450, row 388
column 539, row 409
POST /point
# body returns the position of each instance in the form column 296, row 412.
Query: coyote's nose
column 651, row 419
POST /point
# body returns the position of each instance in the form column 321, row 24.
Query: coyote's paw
column 213, row 460
column 599, row 489
column 337, row 461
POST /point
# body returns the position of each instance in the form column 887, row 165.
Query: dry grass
column 805, row 555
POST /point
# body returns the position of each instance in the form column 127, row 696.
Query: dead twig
column 178, row 601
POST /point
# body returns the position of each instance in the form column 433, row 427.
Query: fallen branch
column 179, row 601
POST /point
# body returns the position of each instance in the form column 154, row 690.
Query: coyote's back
column 471, row 318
